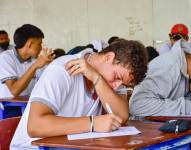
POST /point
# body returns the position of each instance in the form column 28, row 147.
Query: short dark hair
column 152, row 53
column 3, row 32
column 58, row 52
column 132, row 54
column 25, row 32
column 112, row 39
column 177, row 37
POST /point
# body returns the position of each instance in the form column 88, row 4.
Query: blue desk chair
column 12, row 107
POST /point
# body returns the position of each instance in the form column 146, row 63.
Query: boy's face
column 35, row 47
column 115, row 74
column 4, row 41
column 4, row 38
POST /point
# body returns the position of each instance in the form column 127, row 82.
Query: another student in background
column 95, row 45
column 152, row 53
column 100, row 44
column 112, row 39
column 165, row 90
column 4, row 41
column 78, row 49
column 58, row 52
column 178, row 31
column 69, row 99
column 18, row 66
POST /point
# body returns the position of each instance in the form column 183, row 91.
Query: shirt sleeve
column 52, row 87
column 8, row 69
column 164, row 48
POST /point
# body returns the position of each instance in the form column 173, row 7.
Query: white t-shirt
column 65, row 95
column 99, row 44
column 13, row 67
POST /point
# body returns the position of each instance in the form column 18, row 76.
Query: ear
column 28, row 43
column 109, row 57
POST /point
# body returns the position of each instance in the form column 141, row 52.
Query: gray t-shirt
column 164, row 90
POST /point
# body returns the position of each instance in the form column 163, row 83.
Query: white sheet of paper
column 129, row 130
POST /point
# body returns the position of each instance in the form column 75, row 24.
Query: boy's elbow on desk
column 125, row 119
column 124, row 115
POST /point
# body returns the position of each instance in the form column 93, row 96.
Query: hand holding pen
column 108, row 122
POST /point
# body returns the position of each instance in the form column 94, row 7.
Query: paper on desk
column 120, row 132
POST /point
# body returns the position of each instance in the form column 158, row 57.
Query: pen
column 108, row 108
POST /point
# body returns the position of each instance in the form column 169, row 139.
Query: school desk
column 20, row 101
column 166, row 118
column 150, row 138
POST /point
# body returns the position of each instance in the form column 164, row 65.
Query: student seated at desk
column 19, row 65
column 4, row 41
column 165, row 90
column 178, row 31
column 69, row 96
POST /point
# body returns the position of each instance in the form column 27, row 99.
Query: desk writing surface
column 20, row 99
column 150, row 135
column 166, row 118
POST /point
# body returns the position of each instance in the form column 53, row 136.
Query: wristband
column 91, row 123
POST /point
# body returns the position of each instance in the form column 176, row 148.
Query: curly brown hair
column 131, row 54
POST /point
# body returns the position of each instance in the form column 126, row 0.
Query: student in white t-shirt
column 64, row 101
column 19, row 65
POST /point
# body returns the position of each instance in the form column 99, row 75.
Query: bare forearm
column 21, row 84
column 55, row 126
column 118, row 104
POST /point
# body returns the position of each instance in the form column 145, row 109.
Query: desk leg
column 1, row 110
column 1, row 114
column 23, row 109
column 43, row 148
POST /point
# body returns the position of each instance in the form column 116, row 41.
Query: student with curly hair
column 70, row 99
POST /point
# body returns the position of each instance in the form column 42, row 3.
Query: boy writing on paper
column 64, row 97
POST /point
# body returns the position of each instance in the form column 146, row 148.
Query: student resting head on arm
column 73, row 90
column 165, row 90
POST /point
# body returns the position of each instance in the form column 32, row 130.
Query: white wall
column 166, row 13
column 67, row 23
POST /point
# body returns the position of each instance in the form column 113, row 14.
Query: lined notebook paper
column 130, row 130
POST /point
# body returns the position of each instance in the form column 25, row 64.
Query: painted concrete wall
column 166, row 13
column 67, row 23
